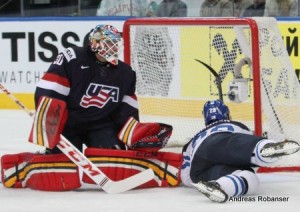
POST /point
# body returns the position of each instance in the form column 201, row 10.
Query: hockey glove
column 145, row 136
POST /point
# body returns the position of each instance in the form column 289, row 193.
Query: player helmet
column 214, row 111
column 105, row 40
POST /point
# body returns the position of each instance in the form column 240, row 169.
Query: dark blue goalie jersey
column 96, row 93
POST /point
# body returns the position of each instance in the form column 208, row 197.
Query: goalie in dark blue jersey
column 98, row 89
column 218, row 160
column 88, row 96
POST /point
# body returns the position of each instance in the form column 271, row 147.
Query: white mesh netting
column 172, row 86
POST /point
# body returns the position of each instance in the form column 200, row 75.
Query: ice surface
column 15, row 126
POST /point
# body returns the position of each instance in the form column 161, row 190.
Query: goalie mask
column 105, row 40
column 214, row 111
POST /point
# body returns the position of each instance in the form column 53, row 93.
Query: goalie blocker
column 58, row 173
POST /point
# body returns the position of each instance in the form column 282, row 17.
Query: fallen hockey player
column 218, row 160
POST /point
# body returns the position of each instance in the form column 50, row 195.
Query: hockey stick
column 217, row 76
column 90, row 169
column 109, row 186
column 12, row 97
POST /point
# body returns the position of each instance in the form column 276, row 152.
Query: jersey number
column 59, row 59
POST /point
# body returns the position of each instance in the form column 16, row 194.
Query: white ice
column 15, row 126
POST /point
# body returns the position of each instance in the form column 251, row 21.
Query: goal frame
column 209, row 22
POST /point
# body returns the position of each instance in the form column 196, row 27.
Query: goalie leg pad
column 12, row 169
column 121, row 164
column 39, row 172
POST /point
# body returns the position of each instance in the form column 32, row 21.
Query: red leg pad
column 39, row 172
column 120, row 164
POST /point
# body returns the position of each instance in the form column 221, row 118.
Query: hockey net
column 172, row 86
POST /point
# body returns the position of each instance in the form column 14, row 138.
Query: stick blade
column 127, row 184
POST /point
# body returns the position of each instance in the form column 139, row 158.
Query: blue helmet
column 214, row 111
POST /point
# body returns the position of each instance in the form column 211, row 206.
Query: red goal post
column 172, row 86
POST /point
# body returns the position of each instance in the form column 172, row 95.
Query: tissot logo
column 98, row 95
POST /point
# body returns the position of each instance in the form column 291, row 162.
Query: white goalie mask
column 106, row 40
column 153, row 60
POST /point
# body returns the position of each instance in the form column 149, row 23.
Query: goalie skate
column 273, row 150
column 212, row 190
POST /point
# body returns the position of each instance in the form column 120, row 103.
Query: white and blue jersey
column 223, row 126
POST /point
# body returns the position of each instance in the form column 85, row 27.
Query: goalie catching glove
column 145, row 136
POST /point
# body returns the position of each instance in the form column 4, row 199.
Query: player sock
column 239, row 183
